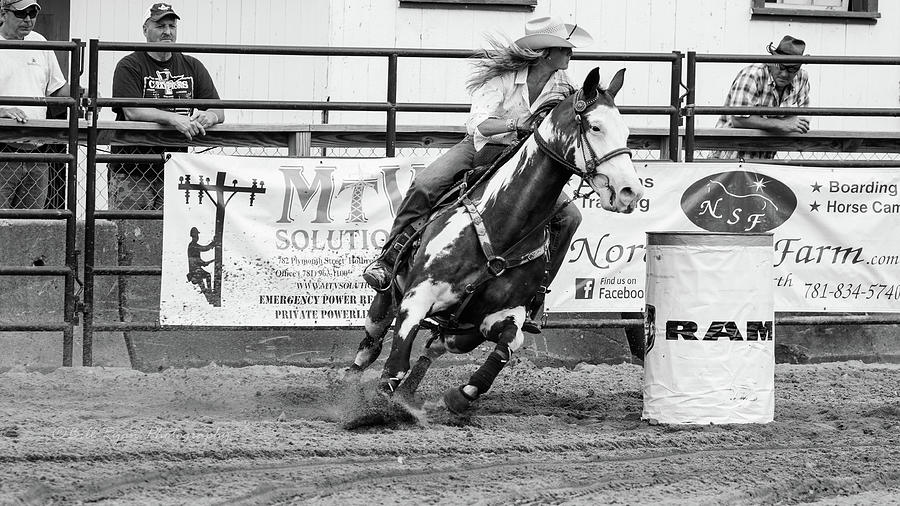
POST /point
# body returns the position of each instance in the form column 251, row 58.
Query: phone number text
column 855, row 291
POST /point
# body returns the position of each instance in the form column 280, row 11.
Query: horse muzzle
column 621, row 199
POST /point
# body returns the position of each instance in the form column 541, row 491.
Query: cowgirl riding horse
column 509, row 83
column 480, row 262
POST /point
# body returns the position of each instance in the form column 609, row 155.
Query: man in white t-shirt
column 25, row 73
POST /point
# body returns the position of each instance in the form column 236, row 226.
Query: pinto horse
column 480, row 263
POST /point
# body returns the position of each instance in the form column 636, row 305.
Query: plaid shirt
column 754, row 86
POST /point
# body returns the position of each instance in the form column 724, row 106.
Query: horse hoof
column 352, row 374
column 385, row 389
column 457, row 401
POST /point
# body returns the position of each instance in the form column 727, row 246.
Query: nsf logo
column 584, row 288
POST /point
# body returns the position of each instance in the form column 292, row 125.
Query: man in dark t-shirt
column 164, row 75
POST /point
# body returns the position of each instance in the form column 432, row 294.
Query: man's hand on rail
column 188, row 127
column 795, row 125
column 13, row 113
column 205, row 119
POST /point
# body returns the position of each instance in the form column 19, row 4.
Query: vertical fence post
column 689, row 106
column 90, row 200
column 300, row 144
column 675, row 101
column 72, row 204
column 390, row 140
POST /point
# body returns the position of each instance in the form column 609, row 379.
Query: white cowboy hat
column 550, row 31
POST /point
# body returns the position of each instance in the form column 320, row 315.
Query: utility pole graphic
column 357, row 215
column 216, row 194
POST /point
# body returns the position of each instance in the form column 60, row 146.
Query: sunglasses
column 791, row 69
column 27, row 13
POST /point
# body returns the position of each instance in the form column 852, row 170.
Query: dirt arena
column 263, row 435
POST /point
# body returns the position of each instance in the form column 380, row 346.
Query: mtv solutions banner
column 835, row 241
column 269, row 241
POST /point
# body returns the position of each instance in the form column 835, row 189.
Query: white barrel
column 709, row 325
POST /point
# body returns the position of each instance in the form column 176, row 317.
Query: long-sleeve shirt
column 506, row 96
column 754, row 86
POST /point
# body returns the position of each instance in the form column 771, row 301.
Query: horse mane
column 544, row 109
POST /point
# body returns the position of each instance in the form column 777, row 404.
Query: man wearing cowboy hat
column 768, row 85
column 28, row 73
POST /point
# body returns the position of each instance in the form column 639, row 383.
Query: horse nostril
column 627, row 195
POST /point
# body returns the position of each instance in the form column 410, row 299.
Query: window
column 832, row 5
column 496, row 5
column 843, row 10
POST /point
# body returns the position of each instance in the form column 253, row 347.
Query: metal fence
column 85, row 175
column 62, row 160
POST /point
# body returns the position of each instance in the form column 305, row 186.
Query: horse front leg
column 381, row 313
column 433, row 349
column 508, row 335
column 412, row 310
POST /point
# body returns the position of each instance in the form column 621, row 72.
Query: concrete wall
column 30, row 300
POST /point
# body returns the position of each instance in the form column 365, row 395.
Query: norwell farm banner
column 282, row 241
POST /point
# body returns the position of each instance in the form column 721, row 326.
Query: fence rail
column 681, row 136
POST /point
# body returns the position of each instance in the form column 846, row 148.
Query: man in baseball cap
column 158, row 74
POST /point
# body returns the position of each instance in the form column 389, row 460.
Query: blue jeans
column 429, row 184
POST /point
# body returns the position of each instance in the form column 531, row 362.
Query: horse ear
column 590, row 83
column 616, row 84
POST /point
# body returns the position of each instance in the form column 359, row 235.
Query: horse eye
column 595, row 128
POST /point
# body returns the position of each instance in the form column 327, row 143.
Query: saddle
column 459, row 195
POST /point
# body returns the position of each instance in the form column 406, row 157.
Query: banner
column 274, row 241
column 283, row 241
column 834, row 247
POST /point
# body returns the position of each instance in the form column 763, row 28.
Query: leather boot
column 380, row 273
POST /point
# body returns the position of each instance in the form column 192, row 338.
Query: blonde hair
column 500, row 58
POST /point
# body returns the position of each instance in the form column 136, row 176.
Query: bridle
column 590, row 164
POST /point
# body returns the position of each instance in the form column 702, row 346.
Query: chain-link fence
column 32, row 185
column 800, row 156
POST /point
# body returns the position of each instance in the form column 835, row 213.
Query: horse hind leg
column 509, row 340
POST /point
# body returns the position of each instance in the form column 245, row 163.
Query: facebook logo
column 584, row 288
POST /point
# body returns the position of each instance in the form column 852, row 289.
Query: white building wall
column 240, row 22
column 705, row 26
